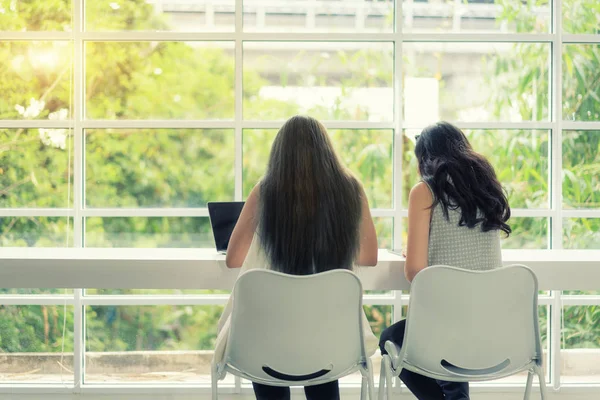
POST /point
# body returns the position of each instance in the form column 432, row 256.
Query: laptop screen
column 223, row 217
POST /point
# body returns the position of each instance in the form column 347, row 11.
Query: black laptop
column 223, row 217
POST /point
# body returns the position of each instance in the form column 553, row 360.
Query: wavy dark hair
column 461, row 179
column 310, row 205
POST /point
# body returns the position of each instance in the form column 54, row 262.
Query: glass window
column 384, row 226
column 475, row 82
column 150, row 344
column 159, row 80
column 148, row 232
column 36, row 343
column 36, row 79
column 159, row 167
column 324, row 16
column 581, row 233
column 581, row 85
column 581, row 169
column 174, row 16
column 36, row 232
column 328, row 80
column 580, row 349
column 29, row 15
column 581, row 16
column 527, row 233
column 36, row 168
column 489, row 16
column 162, row 111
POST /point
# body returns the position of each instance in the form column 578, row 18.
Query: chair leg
column 370, row 379
column 388, row 375
column 540, row 374
column 382, row 381
column 363, row 387
column 214, row 382
column 528, row 385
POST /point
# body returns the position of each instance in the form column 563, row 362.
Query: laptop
column 223, row 217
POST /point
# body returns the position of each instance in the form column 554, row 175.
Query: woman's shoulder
column 421, row 192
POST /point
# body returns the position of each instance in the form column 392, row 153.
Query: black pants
column 424, row 388
column 326, row 391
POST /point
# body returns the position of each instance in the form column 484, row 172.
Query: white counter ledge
column 205, row 269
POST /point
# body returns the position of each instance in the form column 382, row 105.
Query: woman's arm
column 367, row 254
column 241, row 237
column 419, row 216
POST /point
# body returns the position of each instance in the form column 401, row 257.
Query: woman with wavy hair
column 308, row 214
column 455, row 216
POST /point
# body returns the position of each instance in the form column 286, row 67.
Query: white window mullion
column 78, row 181
column 398, row 145
column 239, row 92
column 398, row 156
column 239, row 100
column 556, row 174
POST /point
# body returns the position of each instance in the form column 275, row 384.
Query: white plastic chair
column 469, row 326
column 291, row 330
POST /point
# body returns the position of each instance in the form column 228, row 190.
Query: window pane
column 32, row 344
column 148, row 232
column 384, row 226
column 159, row 167
column 581, row 88
column 33, row 292
column 175, row 292
column 581, row 16
column 36, row 232
column 160, row 80
column 36, row 166
column 366, row 152
column 519, row 157
column 581, row 292
column 581, row 169
column 527, row 233
column 325, row 16
column 380, row 317
column 35, row 15
column 181, row 16
column 166, row 344
column 580, row 352
column 472, row 16
column 328, row 80
column 475, row 82
column 581, row 233
column 35, row 80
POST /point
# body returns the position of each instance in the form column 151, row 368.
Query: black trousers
column 326, row 391
column 423, row 387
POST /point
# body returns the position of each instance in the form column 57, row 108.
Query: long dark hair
column 461, row 179
column 310, row 205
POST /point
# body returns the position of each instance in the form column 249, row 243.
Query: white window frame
column 556, row 39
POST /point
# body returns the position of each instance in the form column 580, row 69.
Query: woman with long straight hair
column 308, row 214
column 455, row 216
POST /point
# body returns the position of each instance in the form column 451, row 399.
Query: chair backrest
column 472, row 325
column 287, row 328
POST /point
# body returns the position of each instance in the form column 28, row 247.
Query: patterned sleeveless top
column 460, row 246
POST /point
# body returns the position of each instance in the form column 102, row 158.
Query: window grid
column 78, row 124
